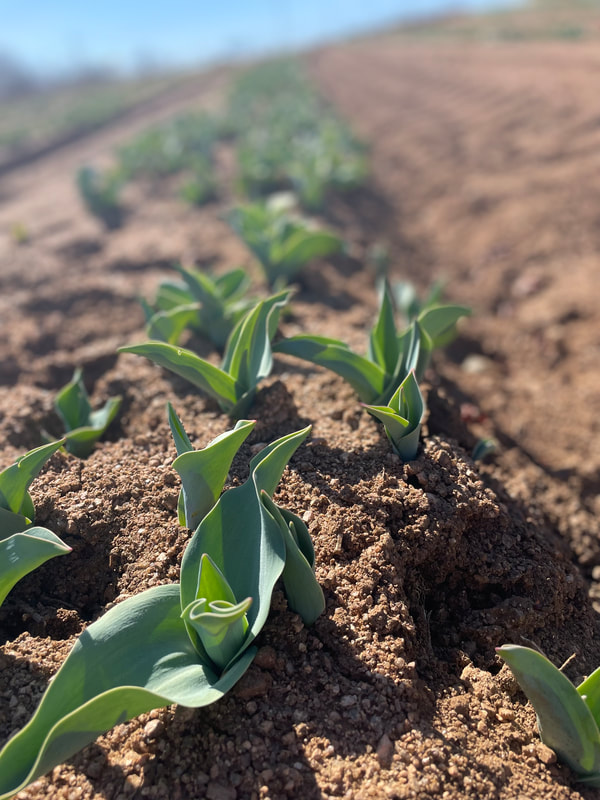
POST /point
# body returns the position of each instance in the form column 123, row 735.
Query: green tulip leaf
column 565, row 721
column 21, row 553
column 367, row 379
column 136, row 657
column 16, row 480
column 204, row 472
column 82, row 425
column 402, row 417
column 303, row 592
column 247, row 359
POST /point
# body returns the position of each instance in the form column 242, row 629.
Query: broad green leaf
column 565, row 722
column 204, row 472
column 590, row 692
column 439, row 324
column 210, row 379
column 366, row 378
column 137, row 657
column 167, row 326
column 12, row 523
column 202, row 287
column 16, row 479
column 171, row 294
column 268, row 465
column 248, row 356
column 248, row 547
column 233, row 284
column 303, row 592
column 23, row 552
column 304, row 245
column 212, row 584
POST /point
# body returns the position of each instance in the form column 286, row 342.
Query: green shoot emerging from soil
column 209, row 305
column 568, row 717
column 283, row 244
column 100, row 192
column 391, row 354
column 402, row 417
column 185, row 643
column 203, row 472
column 23, row 547
column 82, row 425
column 247, row 360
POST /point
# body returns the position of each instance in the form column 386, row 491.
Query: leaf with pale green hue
column 383, row 341
column 206, row 376
column 210, row 305
column 283, row 244
column 367, row 379
column 221, row 627
column 402, row 417
column 16, row 480
column 566, row 723
column 219, row 621
column 167, row 326
column 137, row 657
column 589, row 690
column 23, row 548
column 21, row 553
column 247, row 359
column 438, row 324
column 242, row 537
column 146, row 651
column 303, row 592
column 203, row 472
column 391, row 354
column 83, row 426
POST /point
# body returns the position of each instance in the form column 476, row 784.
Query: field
column 484, row 160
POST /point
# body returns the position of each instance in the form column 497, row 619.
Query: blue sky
column 54, row 36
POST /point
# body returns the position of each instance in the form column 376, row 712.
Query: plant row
column 284, row 138
column 190, row 642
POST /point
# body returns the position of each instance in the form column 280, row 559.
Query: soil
column 484, row 163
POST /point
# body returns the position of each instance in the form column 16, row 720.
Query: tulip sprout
column 185, row 643
column 247, row 359
column 402, row 417
column 568, row 717
column 23, row 547
column 82, row 425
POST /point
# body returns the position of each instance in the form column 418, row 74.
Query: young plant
column 23, row 547
column 568, row 718
column 83, row 426
column 185, row 643
column 402, row 417
column 282, row 244
column 200, row 187
column 209, row 305
column 100, row 192
column 203, row 472
column 391, row 354
column 247, row 360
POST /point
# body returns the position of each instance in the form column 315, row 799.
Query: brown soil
column 484, row 162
